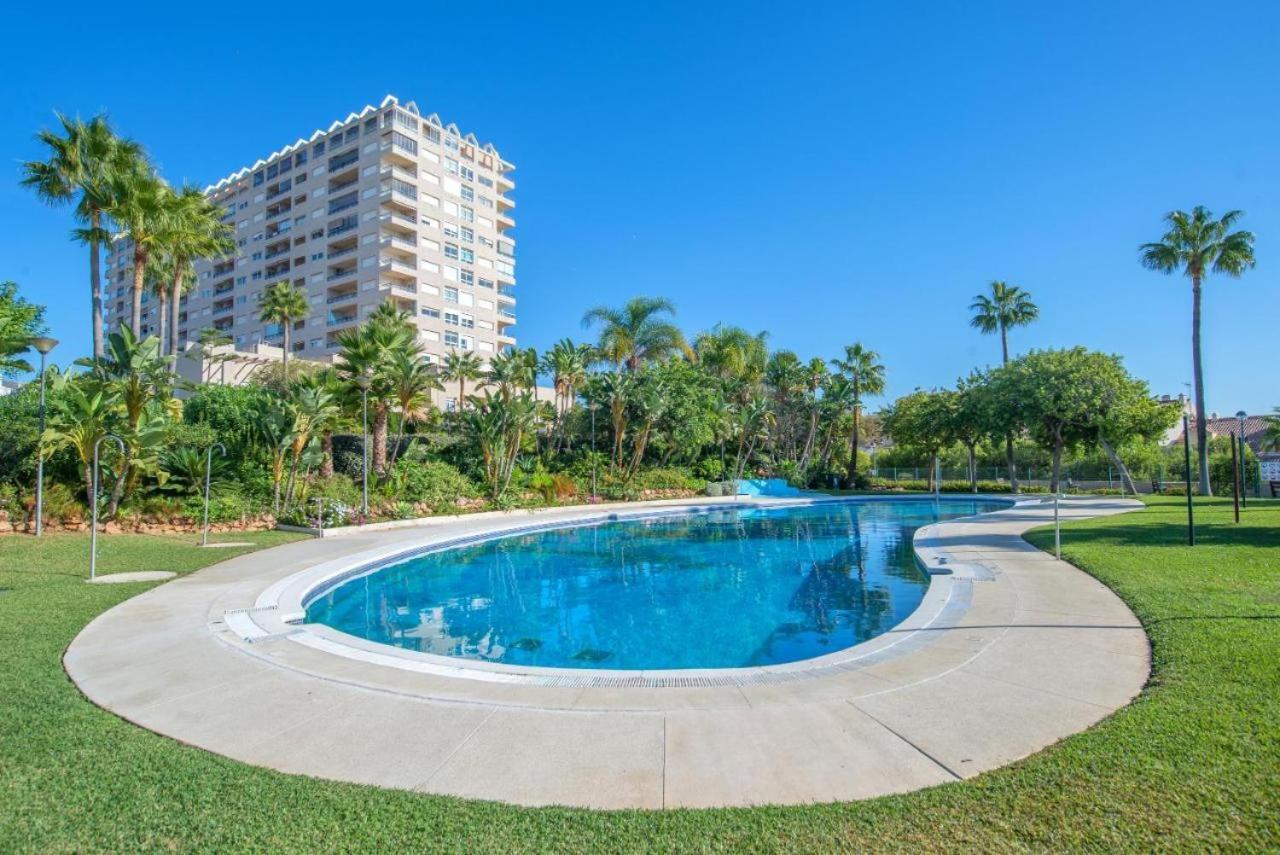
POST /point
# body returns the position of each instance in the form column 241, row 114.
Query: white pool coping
column 279, row 611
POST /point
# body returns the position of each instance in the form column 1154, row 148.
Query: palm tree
column 367, row 351
column 159, row 281
column 1271, row 436
column 636, row 333
column 1197, row 244
column 283, row 303
column 815, row 378
column 1007, row 306
column 866, row 377
column 81, row 166
column 140, row 207
column 208, row 339
column 412, row 380
column 566, row 362
column 193, row 230
column 459, row 367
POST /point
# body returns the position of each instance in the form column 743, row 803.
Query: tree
column 969, row 418
column 735, row 356
column 20, row 321
column 80, row 415
column 81, row 166
column 460, row 366
column 412, row 380
column 498, row 423
column 921, row 420
column 637, row 333
column 193, row 230
column 866, row 377
column 368, row 351
column 1198, row 244
column 1067, row 398
column 140, row 206
column 283, row 303
column 1007, row 306
column 1271, row 437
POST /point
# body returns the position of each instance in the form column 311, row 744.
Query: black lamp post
column 42, row 345
column 1244, row 467
column 364, row 381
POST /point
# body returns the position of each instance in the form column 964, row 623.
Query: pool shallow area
column 726, row 588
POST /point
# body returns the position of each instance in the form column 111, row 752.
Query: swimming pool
column 726, row 588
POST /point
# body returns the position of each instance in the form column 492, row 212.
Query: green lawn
column 1194, row 763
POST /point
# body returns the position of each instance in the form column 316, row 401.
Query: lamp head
column 1242, row 415
column 44, row 344
column 363, row 381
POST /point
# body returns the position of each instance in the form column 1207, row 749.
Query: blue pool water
column 729, row 588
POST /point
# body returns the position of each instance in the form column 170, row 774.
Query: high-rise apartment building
column 385, row 205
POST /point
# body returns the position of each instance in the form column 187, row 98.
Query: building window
column 451, row 318
column 430, row 313
column 467, row 193
column 450, row 338
column 450, row 294
column 450, row 250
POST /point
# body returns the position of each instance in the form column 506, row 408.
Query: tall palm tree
column 1198, row 244
column 866, row 377
column 159, row 280
column 1007, row 306
column 81, row 165
column 283, row 303
column 637, row 333
column 735, row 356
column 140, row 207
column 194, row 230
column 459, row 366
column 566, row 362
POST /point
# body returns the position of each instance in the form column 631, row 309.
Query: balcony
column 396, row 218
column 394, row 240
column 343, row 273
column 344, row 225
column 336, row 320
column 339, row 253
column 397, row 289
column 504, row 297
column 507, row 313
column 224, row 305
column 338, row 188
column 391, row 264
column 400, row 148
column 505, row 182
column 341, row 161
column 391, row 170
column 340, row 296
column 504, row 204
column 504, row 222
column 345, row 203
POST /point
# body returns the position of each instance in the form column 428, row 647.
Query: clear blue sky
column 831, row 173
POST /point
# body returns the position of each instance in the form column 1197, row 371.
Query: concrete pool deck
column 1011, row 651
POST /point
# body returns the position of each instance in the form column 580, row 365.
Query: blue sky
column 840, row 172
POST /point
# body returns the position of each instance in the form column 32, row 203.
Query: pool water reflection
column 728, row 588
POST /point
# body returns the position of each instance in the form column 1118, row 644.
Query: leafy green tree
column 866, row 377
column 20, row 321
column 1271, row 437
column 1075, row 397
column 412, row 381
column 1005, row 307
column 80, row 167
column 921, row 420
column 1198, row 244
column 735, row 356
column 369, row 351
column 284, row 303
column 80, row 414
column 637, row 333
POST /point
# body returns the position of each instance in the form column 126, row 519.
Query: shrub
column 708, row 469
column 436, row 483
column 669, row 478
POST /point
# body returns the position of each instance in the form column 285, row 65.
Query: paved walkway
column 1011, row 651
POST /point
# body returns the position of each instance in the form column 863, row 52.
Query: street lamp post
column 363, row 381
column 208, row 470
column 93, row 503
column 1244, row 467
column 42, row 345
column 1186, row 450
column 593, row 450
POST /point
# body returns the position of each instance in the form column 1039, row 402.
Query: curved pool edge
column 1043, row 651
column 279, row 611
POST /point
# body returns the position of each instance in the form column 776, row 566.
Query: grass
column 1194, row 763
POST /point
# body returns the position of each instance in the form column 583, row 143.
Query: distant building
column 1255, row 432
column 8, row 387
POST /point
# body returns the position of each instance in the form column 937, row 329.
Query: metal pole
column 1191, row 515
column 208, row 469
column 1244, row 466
column 40, row 458
column 1057, row 528
column 593, row 450
column 320, row 515
column 93, row 503
column 1235, row 480
column 364, row 466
